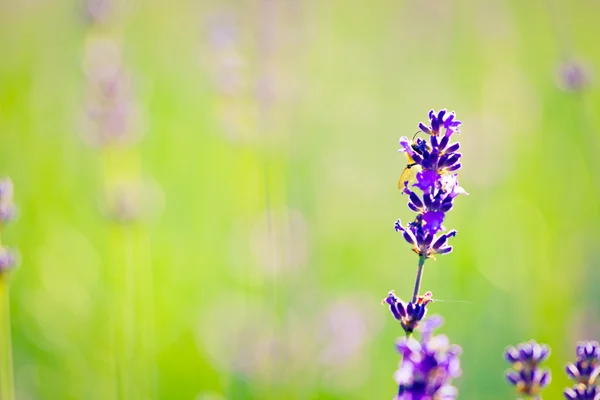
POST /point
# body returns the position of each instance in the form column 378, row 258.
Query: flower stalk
column 112, row 126
column 418, row 279
column 7, row 263
column 429, row 364
column 7, row 391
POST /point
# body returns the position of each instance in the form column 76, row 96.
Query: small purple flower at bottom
column 583, row 392
column 428, row 366
column 585, row 371
column 587, row 366
column 409, row 314
column 526, row 375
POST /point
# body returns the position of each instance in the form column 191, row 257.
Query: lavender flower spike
column 525, row 374
column 428, row 366
column 585, row 371
column 438, row 160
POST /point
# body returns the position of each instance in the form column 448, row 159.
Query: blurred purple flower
column 224, row 42
column 8, row 258
column 573, row 76
column 583, row 392
column 428, row 366
column 7, row 208
column 342, row 330
column 110, row 106
column 526, row 375
column 98, row 11
column 584, row 371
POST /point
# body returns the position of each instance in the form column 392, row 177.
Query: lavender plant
column 113, row 127
column 526, row 375
column 428, row 365
column 584, row 371
column 7, row 262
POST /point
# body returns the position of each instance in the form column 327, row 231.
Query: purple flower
column 98, row 11
column 423, row 241
column 426, row 180
column 7, row 209
column 8, row 258
column 583, row 392
column 584, row 371
column 438, row 161
column 573, row 76
column 525, row 374
column 110, row 105
column 428, row 366
column 409, row 314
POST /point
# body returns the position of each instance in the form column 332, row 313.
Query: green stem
column 7, row 390
column 418, row 279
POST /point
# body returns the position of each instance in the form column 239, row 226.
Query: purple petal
column 426, row 240
column 571, row 394
column 446, row 206
column 451, row 159
column 445, row 250
column 433, row 220
column 545, row 379
column 513, row 377
column 391, row 298
column 453, row 147
column 441, row 114
column 427, row 200
column 405, row 145
column 426, row 180
column 454, row 167
column 440, row 241
column 409, row 237
column 424, row 128
column 572, row 371
column 435, row 126
column 415, row 199
column 448, row 121
column 398, row 226
column 443, row 143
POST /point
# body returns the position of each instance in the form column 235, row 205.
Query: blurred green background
column 241, row 247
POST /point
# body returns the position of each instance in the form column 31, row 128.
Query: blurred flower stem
column 7, row 390
column 130, row 278
column 7, row 262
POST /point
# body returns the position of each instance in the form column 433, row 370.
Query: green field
column 239, row 246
